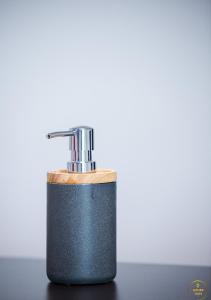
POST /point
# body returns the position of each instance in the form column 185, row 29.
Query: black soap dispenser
column 81, row 216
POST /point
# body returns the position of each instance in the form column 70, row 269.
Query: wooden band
column 98, row 176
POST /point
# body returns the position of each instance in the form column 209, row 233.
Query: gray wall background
column 139, row 73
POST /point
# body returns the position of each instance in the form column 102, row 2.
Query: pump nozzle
column 60, row 134
column 81, row 146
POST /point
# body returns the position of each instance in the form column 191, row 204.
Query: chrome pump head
column 81, row 146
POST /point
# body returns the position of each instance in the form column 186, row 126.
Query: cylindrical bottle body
column 81, row 232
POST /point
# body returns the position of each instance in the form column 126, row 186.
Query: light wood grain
column 98, row 176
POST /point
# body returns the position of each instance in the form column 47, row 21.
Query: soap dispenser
column 81, row 215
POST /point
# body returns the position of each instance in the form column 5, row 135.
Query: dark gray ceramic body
column 81, row 233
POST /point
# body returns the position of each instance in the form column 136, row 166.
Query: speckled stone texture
column 81, row 233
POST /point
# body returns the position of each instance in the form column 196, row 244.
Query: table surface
column 25, row 279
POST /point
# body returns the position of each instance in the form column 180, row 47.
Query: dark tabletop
column 25, row 279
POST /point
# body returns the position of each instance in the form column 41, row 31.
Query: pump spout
column 60, row 134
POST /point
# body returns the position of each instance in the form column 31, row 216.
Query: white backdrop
column 139, row 73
